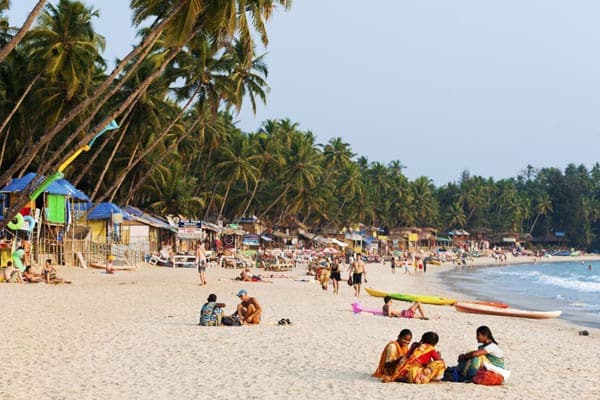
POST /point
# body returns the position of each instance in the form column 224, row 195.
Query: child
column 110, row 269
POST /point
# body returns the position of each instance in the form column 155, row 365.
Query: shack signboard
column 190, row 230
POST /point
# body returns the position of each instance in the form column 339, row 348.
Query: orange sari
column 422, row 366
column 393, row 351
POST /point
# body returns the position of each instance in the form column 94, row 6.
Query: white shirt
column 493, row 349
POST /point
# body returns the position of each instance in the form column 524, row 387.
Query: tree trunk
column 5, row 51
column 108, row 163
column 158, row 140
column 169, row 151
column 146, row 45
column 287, row 188
column 13, row 111
column 225, row 199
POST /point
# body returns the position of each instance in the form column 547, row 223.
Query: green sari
column 468, row 368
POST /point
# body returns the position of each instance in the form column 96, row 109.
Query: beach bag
column 488, row 378
column 232, row 320
column 350, row 281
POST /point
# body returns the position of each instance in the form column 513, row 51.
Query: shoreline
column 134, row 334
column 443, row 278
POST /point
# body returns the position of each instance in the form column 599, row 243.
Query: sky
column 441, row 86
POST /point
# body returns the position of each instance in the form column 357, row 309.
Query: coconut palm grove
column 178, row 150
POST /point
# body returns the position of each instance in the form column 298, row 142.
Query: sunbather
column 29, row 276
column 388, row 311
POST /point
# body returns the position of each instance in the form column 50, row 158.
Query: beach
column 134, row 335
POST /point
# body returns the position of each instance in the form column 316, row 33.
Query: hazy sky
column 442, row 86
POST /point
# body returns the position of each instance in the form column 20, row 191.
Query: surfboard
column 505, row 312
column 358, row 308
column 412, row 297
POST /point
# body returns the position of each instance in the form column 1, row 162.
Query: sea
column 567, row 286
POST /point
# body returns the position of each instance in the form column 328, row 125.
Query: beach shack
column 106, row 223
column 148, row 231
column 52, row 217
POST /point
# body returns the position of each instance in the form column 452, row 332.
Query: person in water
column 487, row 352
column 388, row 311
column 393, row 355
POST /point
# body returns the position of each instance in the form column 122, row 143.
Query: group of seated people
column 47, row 274
column 248, row 312
column 422, row 363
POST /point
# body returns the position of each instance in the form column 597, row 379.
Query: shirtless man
column 357, row 269
column 248, row 310
column 201, row 262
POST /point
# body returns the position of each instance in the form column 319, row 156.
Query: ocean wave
column 569, row 283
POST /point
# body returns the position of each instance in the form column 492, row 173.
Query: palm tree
column 303, row 166
column 542, row 207
column 337, row 155
column 456, row 215
column 236, row 164
column 266, row 144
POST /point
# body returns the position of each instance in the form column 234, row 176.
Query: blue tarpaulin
column 106, row 211
column 60, row 186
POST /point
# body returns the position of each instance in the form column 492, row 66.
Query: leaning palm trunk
column 277, row 200
column 167, row 153
column 145, row 47
column 5, row 51
column 109, row 162
column 112, row 196
column 21, row 200
column 13, row 112
column 147, row 151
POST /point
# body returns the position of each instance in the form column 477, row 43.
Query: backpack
column 232, row 320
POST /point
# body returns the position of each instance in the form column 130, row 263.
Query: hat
column 242, row 292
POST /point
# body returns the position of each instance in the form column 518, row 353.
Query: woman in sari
column 393, row 355
column 487, row 352
column 423, row 363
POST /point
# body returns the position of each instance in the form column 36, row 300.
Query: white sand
column 134, row 335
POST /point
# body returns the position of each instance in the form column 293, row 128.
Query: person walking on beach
column 201, row 261
column 393, row 264
column 357, row 270
column 336, row 274
column 248, row 310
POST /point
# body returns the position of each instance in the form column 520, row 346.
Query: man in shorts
column 248, row 310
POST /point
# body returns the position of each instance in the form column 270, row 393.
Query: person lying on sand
column 248, row 310
column 29, row 276
column 388, row 311
column 246, row 276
